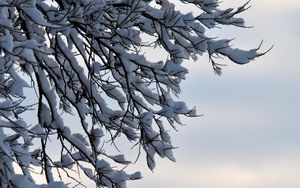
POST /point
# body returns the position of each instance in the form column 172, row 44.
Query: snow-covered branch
column 85, row 58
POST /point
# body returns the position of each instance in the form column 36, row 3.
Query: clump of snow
column 20, row 181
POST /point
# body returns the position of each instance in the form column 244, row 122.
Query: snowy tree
column 87, row 58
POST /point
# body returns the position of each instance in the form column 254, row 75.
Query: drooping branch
column 85, row 58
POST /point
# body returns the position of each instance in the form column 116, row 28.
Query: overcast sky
column 249, row 136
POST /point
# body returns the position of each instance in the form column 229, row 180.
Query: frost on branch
column 86, row 58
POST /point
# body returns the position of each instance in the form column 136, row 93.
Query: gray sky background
column 249, row 134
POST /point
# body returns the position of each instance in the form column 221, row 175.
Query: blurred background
column 249, row 136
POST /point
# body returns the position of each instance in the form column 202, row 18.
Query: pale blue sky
column 249, row 136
